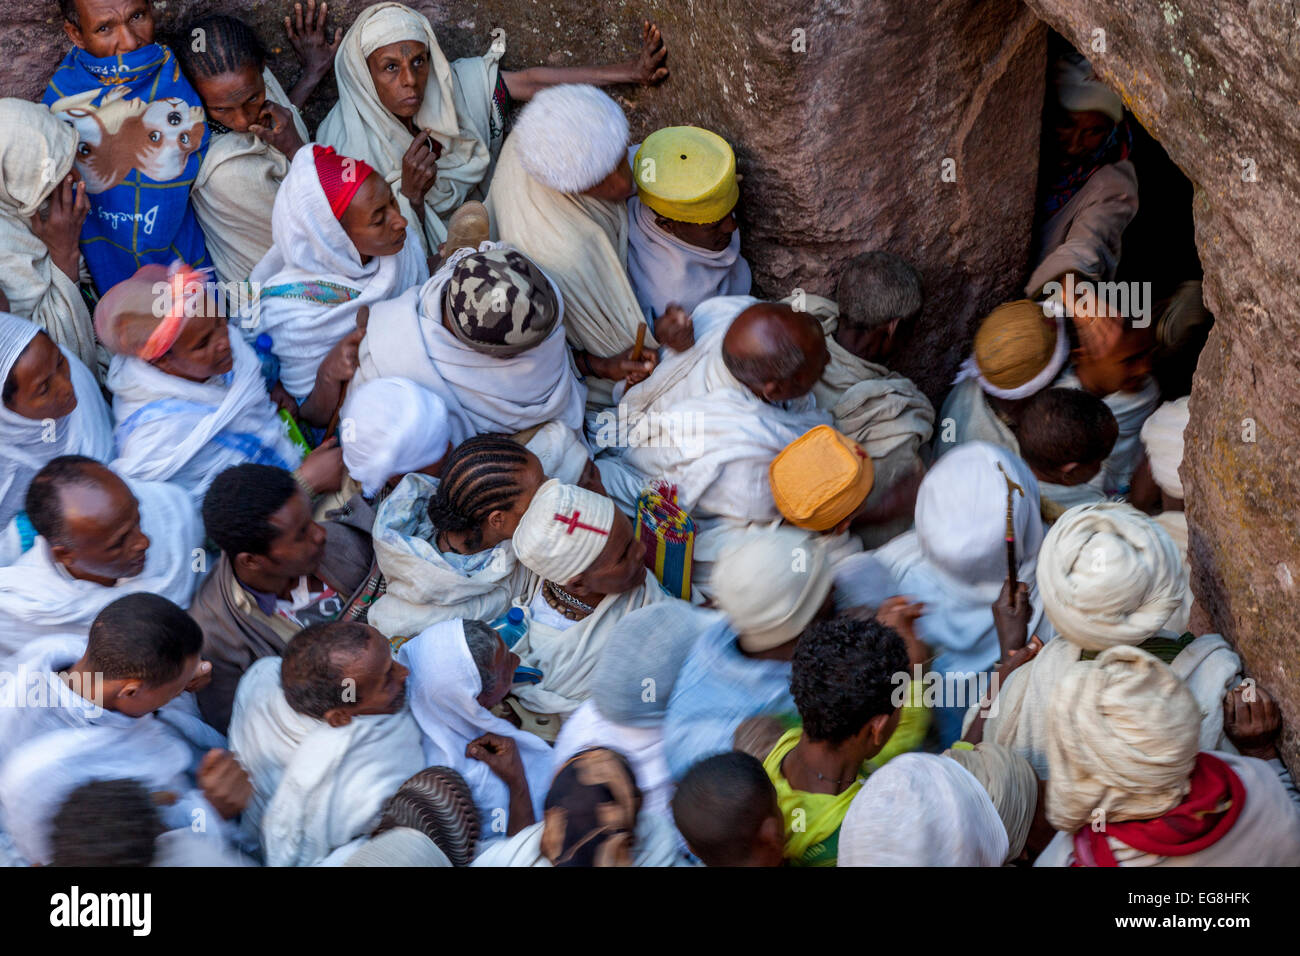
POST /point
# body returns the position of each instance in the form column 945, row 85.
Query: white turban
column 392, row 426
column 1122, row 738
column 391, row 25
column 1011, row 784
column 770, row 583
column 1078, row 89
column 562, row 455
column 1162, row 436
column 563, row 531
column 922, row 810
column 961, row 515
column 571, row 137
column 1108, row 574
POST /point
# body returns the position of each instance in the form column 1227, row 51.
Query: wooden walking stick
column 640, row 342
column 1012, row 488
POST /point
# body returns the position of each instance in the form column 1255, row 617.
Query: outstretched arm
column 311, row 41
column 647, row 68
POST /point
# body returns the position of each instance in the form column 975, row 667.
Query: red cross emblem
column 574, row 524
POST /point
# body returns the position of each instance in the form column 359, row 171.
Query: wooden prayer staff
column 640, row 342
column 1012, row 488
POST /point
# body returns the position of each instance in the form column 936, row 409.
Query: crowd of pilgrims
column 434, row 491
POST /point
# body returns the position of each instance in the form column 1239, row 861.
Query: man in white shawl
column 256, row 130
column 188, row 392
column 1108, row 575
column 955, row 563
column 591, row 572
column 124, row 689
column 559, row 196
column 460, row 671
column 922, row 810
column 1132, row 783
column 433, row 128
column 42, row 206
column 630, row 688
column 594, row 816
column 99, row 538
column 339, row 246
column 683, row 244
column 52, row 406
column 486, row 334
column 326, row 737
column 710, row 420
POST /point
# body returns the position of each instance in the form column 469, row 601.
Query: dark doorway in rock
column 1158, row 246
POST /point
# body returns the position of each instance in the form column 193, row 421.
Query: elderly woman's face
column 373, row 220
column 1078, row 135
column 400, row 71
column 43, row 382
column 233, row 99
column 202, row 350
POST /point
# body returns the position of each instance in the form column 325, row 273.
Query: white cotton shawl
column 36, row 151
column 1162, row 437
column 880, row 409
column 392, row 426
column 954, row 562
column 442, row 688
column 458, row 106
column 315, row 787
column 657, row 844
column 39, row 598
column 310, row 245
column 496, row 393
column 172, row 429
column 695, row 425
column 423, row 587
column 581, row 244
column 922, row 810
column 235, row 190
column 667, row 271
column 567, row 657
column 29, row 444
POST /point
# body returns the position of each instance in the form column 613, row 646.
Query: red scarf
column 1206, row 815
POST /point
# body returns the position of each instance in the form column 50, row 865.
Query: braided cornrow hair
column 480, row 476
column 229, row 44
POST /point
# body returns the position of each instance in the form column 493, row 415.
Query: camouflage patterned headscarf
column 499, row 301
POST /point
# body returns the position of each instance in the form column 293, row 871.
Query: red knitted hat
column 340, row 177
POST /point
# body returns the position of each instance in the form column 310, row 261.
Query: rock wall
column 844, row 114
column 1219, row 86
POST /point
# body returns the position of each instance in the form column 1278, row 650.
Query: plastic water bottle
column 270, row 364
column 511, row 626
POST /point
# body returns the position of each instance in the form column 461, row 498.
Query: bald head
column 778, row 353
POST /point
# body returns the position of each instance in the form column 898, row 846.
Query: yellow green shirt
column 812, row 820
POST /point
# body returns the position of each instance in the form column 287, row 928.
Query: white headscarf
column 1110, row 575
column 1122, row 738
column 172, row 429
column 28, row 443
column 1162, row 435
column 922, row 810
column 770, row 582
column 443, row 688
column 391, row 426
column 311, row 246
column 457, row 107
column 1011, row 783
column 563, row 531
column 955, row 561
column 36, row 152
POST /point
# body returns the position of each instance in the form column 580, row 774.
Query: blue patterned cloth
column 142, row 137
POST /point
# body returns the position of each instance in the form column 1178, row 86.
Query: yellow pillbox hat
column 820, row 478
column 687, row 174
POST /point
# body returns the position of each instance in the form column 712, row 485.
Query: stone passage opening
column 1159, row 269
